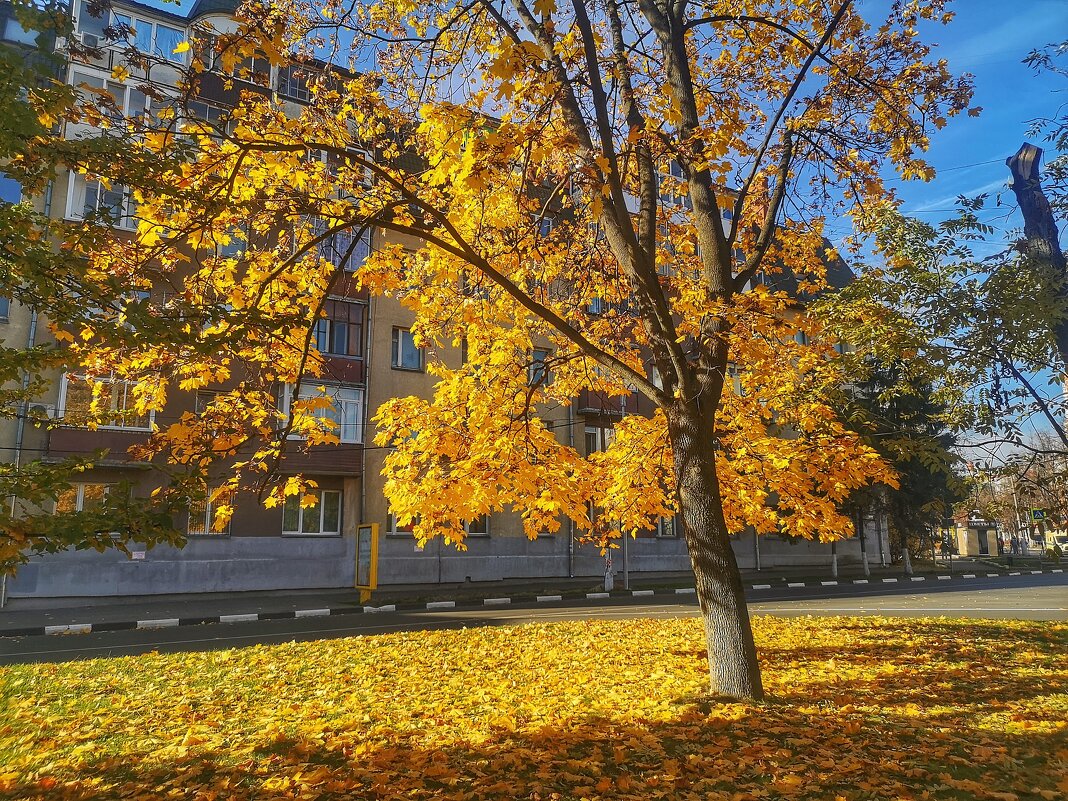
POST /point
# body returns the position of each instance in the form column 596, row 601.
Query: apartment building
column 370, row 357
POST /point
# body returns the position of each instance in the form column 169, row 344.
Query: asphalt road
column 1026, row 597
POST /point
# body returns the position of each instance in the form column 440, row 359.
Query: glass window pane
column 67, row 501
column 167, row 40
column 310, row 519
column 10, row 189
column 198, row 515
column 5, row 308
column 14, row 32
column 143, row 36
column 339, row 338
column 331, row 512
column 89, row 23
column 291, row 514
column 322, row 336
column 76, row 402
column 93, row 496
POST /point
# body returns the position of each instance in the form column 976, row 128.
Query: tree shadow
column 721, row 752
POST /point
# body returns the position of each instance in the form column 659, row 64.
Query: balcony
column 592, row 402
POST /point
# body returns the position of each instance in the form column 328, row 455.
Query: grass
column 858, row 709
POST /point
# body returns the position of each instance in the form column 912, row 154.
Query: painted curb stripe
column 992, row 575
column 1014, row 574
column 496, row 601
column 244, row 618
column 373, row 609
column 860, row 581
column 828, row 583
column 70, row 628
column 796, row 584
column 919, row 578
column 687, row 591
column 968, row 575
column 162, row 623
column 593, row 595
column 944, row 578
column 311, row 613
column 441, row 605
column 890, row 581
column 546, row 598
column 638, row 593
column 761, row 586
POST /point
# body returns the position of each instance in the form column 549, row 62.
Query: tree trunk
column 1041, row 240
column 732, row 656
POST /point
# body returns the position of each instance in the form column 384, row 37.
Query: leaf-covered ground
column 858, row 709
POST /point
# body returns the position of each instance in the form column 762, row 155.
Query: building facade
column 370, row 357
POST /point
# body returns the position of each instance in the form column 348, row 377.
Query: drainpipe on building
column 366, row 411
column 570, row 522
column 879, row 537
column 756, row 548
column 863, row 543
column 20, row 434
column 834, row 559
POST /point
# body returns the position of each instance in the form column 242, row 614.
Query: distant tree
column 903, row 417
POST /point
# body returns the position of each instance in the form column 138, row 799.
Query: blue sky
column 989, row 38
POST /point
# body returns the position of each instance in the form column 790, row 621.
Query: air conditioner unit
column 89, row 39
column 41, row 411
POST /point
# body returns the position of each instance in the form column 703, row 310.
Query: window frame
column 208, row 516
column 119, row 21
column 396, row 359
column 299, row 532
column 306, row 393
column 75, row 211
column 79, row 495
column 61, row 407
column 325, row 328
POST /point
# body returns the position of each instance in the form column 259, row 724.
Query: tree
column 903, row 417
column 551, row 176
column 40, row 276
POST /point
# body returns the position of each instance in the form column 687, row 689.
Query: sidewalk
column 35, row 616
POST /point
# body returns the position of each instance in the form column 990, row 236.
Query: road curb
column 434, row 606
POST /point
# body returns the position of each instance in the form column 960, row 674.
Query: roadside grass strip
column 857, row 708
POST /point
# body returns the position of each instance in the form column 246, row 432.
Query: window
column 346, row 249
column 293, row 82
column 116, row 404
column 202, row 515
column 393, row 529
column 801, row 338
column 598, row 439
column 10, row 189
column 341, row 333
column 92, row 199
column 128, row 100
column 209, row 113
column 406, row 355
column 672, row 182
column 14, row 32
column 5, row 309
column 346, row 411
column 668, row 527
column 480, row 526
column 153, row 38
column 203, row 400
column 322, row 518
column 538, row 371
column 81, row 497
